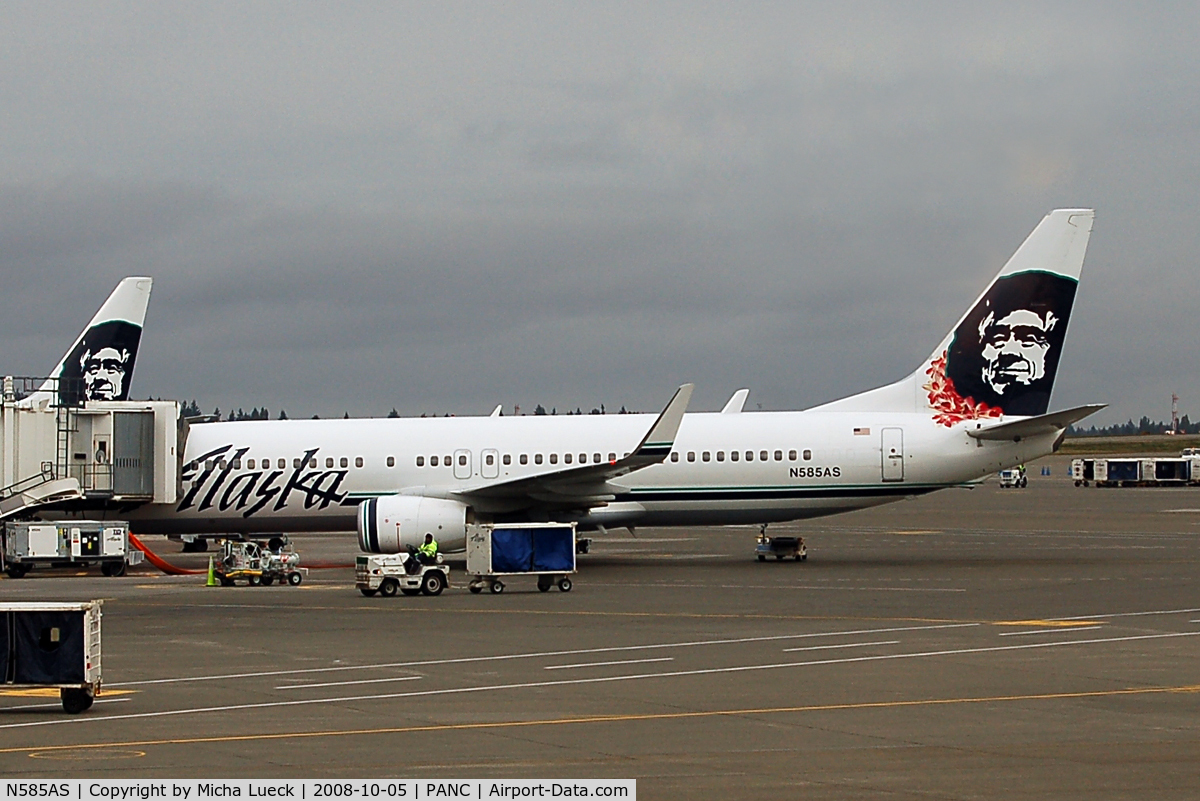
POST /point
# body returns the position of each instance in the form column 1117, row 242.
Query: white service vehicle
column 78, row 543
column 388, row 573
column 1014, row 478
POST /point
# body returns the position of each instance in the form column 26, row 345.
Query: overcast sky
column 443, row 207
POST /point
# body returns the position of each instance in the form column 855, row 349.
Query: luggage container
column 1083, row 471
column 1168, row 472
column 68, row 544
column 52, row 645
column 545, row 550
column 1118, row 472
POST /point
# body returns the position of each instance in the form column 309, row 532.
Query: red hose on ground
column 164, row 566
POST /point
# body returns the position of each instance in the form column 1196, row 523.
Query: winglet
column 661, row 437
column 496, row 412
column 737, row 402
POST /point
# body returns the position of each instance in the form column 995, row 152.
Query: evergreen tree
column 394, row 413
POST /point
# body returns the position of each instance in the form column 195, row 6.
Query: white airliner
column 976, row 405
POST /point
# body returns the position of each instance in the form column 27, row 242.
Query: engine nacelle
column 391, row 523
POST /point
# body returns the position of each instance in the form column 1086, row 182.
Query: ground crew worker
column 428, row 550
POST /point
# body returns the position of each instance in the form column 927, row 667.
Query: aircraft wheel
column 75, row 700
column 497, row 587
column 388, row 588
column 294, row 579
column 564, row 584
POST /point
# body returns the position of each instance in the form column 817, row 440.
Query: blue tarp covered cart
column 545, row 550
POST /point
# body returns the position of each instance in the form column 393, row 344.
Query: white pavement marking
column 1128, row 614
column 597, row 680
column 603, row 664
column 58, row 704
column 533, row 655
column 346, row 683
column 1051, row 631
column 843, row 645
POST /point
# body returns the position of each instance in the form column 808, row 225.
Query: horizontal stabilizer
column 1033, row 426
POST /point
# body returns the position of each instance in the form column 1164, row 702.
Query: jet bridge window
column 568, row 458
column 537, row 459
column 706, row 456
column 421, row 461
column 553, row 458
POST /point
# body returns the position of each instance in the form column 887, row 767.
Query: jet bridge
column 83, row 453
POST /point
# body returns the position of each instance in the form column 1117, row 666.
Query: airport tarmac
column 980, row 643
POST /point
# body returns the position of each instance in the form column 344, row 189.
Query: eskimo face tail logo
column 1004, row 355
column 101, row 366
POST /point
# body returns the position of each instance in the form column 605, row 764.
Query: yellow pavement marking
column 514, row 724
column 51, row 692
column 1050, row 624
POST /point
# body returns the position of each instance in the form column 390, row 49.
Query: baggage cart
column 52, row 645
column 544, row 550
column 780, row 548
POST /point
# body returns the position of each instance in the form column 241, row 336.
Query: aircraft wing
column 1032, row 426
column 587, row 485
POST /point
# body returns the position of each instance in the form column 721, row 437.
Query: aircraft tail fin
column 99, row 365
column 1002, row 356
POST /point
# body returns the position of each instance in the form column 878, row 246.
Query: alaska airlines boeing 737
column 976, row 405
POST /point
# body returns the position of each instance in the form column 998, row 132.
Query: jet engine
column 393, row 522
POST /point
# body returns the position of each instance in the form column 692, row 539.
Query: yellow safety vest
column 429, row 548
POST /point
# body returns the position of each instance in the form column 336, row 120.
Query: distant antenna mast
column 1174, row 413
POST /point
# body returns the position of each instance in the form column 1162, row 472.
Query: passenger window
column 791, row 456
column 221, row 464
column 346, row 463
column 237, row 464
column 446, row 461
column 762, row 456
column 779, row 456
column 749, row 456
column 329, row 461
column 524, row 458
column 462, row 461
column 490, row 459
column 720, row 456
column 554, row 458
column 358, row 462
column 421, row 461
column 567, row 458
column 583, row 458
column 249, row 464
column 807, row 455
column 537, row 458
column 391, row 462
column 691, row 456
column 706, row 456
column 312, row 464
column 612, row 457
column 208, row 465
column 733, row 456
column 282, row 464
column 674, row 456
column 433, row 461
column 295, row 463
column 596, row 458
column 508, row 458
